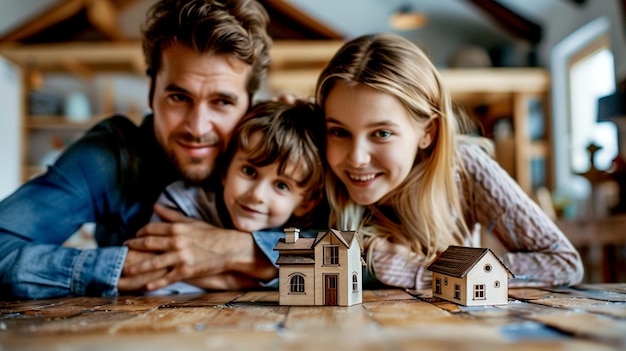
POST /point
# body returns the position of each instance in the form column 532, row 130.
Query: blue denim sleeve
column 266, row 240
column 37, row 218
column 36, row 271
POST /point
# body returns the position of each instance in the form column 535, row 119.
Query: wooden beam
column 43, row 56
column 56, row 14
column 283, row 11
column 511, row 21
column 578, row 2
column 303, row 53
column 77, row 67
column 103, row 15
column 122, row 4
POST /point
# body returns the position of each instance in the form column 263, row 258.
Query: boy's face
column 261, row 198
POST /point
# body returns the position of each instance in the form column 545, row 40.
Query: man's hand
column 138, row 282
column 192, row 249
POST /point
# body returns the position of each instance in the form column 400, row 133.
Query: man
column 205, row 59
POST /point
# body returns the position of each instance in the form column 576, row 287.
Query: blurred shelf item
column 54, row 117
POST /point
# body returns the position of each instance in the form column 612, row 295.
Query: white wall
column 10, row 127
column 567, row 19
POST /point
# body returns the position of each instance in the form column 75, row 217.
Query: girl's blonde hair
column 426, row 209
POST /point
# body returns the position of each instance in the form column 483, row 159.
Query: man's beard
column 195, row 171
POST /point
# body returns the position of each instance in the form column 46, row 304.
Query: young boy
column 274, row 173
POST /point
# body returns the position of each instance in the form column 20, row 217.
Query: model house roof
column 295, row 259
column 345, row 237
column 457, row 261
column 302, row 245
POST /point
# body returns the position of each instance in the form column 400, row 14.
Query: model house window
column 479, row 292
column 487, row 268
column 496, row 284
column 457, row 291
column 355, row 282
column 331, row 255
column 445, row 281
column 438, row 286
column 297, row 284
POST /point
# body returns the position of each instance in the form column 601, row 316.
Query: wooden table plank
column 386, row 294
column 204, row 300
column 576, row 318
column 605, row 329
column 166, row 319
column 589, row 305
column 249, row 318
column 140, row 303
column 157, row 341
column 83, row 323
column 269, row 297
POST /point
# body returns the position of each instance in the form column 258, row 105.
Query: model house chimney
column 292, row 234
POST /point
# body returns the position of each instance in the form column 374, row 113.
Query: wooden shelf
column 78, row 57
column 497, row 81
column 60, row 122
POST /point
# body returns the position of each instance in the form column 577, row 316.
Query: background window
column 592, row 76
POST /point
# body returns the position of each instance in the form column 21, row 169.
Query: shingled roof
column 344, row 236
column 457, row 261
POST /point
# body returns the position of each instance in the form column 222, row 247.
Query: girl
column 403, row 175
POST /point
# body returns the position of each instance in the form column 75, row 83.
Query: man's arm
column 81, row 187
column 195, row 249
column 35, row 271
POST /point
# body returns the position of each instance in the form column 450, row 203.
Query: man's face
column 198, row 99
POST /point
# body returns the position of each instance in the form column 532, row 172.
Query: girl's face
column 371, row 142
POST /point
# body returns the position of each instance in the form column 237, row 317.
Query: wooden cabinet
column 68, row 88
column 518, row 96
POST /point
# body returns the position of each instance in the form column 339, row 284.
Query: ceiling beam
column 100, row 14
column 289, row 22
column 578, row 2
column 122, row 4
column 52, row 16
column 103, row 15
column 509, row 20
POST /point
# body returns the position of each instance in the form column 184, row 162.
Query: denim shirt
column 112, row 176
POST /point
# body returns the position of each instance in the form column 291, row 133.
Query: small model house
column 321, row 271
column 470, row 276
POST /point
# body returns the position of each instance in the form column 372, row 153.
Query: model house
column 321, row 271
column 470, row 276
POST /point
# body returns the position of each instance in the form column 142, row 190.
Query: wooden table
column 587, row 317
column 600, row 242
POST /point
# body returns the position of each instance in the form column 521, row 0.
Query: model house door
column 330, row 290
